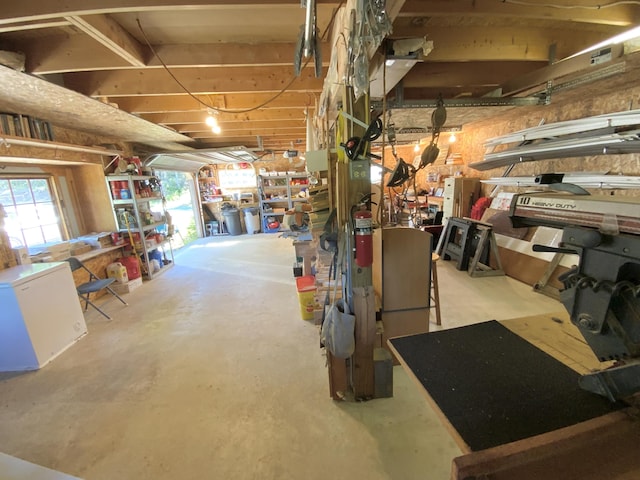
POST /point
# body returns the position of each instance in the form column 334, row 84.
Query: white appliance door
column 51, row 312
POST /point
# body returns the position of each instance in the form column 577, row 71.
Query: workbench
column 508, row 393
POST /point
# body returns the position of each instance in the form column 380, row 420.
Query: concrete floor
column 210, row 373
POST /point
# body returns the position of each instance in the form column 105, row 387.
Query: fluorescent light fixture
column 622, row 37
column 396, row 69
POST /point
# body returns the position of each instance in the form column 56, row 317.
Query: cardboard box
column 59, row 251
column 98, row 240
column 79, row 250
column 130, row 286
column 78, row 247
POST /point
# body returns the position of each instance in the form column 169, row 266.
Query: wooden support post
column 350, row 189
column 364, row 310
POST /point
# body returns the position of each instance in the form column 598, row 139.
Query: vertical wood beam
column 360, row 291
column 363, row 368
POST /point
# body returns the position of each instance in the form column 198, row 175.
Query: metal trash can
column 252, row 219
column 232, row 220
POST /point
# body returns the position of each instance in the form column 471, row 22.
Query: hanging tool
column 308, row 44
column 124, row 217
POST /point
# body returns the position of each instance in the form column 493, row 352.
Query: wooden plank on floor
column 364, row 310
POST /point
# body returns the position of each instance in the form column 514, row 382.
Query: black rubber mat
column 495, row 387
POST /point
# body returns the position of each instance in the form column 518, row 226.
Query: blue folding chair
column 95, row 284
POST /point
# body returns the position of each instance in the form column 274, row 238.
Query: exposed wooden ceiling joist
column 184, row 103
column 113, row 36
column 592, row 11
column 21, row 26
column 272, row 115
column 500, row 42
column 25, row 11
column 233, row 128
column 237, row 55
column 117, row 83
column 73, row 55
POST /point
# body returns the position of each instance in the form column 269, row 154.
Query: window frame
column 55, row 201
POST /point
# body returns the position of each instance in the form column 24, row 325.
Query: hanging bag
column 338, row 328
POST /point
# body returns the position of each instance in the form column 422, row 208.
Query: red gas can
column 132, row 266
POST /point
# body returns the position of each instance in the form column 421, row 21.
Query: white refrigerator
column 40, row 315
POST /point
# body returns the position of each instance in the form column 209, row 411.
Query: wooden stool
column 435, row 295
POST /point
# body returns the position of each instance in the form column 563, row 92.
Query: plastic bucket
column 306, row 295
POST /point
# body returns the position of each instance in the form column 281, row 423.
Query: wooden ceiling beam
column 27, row 11
column 232, row 128
column 475, row 43
column 69, row 53
column 591, row 12
column 35, row 25
column 117, row 83
column 109, row 33
column 230, row 54
column 454, row 74
column 298, row 142
column 273, row 114
column 462, row 91
column 184, row 103
column 290, row 132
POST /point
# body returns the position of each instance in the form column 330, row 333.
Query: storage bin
column 306, row 286
column 232, row 221
column 252, row 220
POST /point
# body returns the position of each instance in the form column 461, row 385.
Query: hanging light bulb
column 452, row 138
column 211, row 121
column 216, row 129
column 417, row 147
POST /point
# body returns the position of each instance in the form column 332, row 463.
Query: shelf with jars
column 139, row 214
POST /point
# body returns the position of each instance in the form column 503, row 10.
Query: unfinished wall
column 78, row 176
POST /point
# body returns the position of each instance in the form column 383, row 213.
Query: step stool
column 455, row 242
